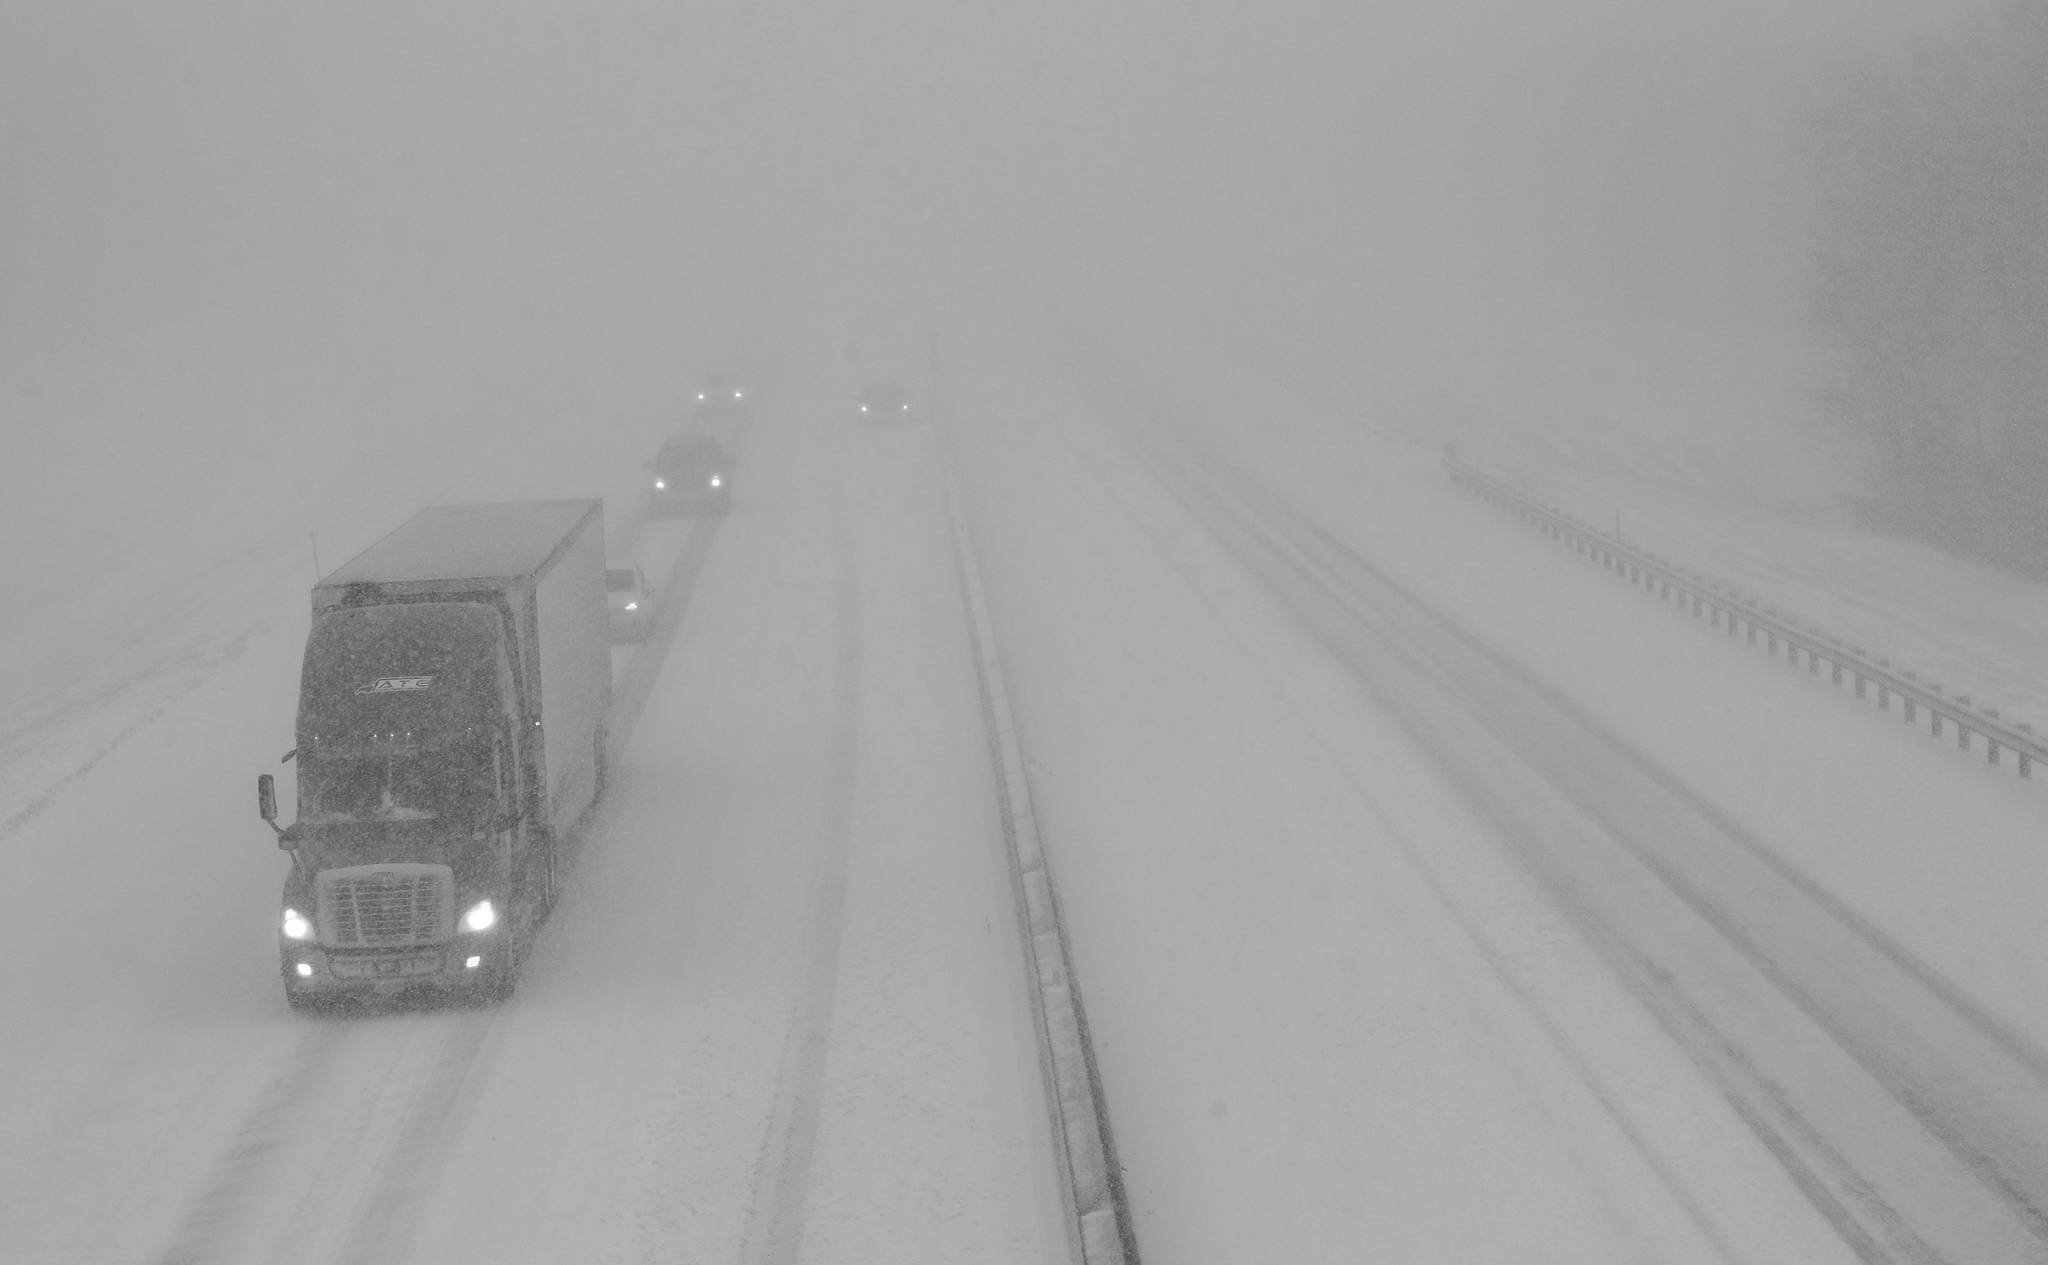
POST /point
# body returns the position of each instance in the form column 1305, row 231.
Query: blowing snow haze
column 1434, row 895
column 218, row 212
column 240, row 242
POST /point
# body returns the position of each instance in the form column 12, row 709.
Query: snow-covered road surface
column 1433, row 898
column 1657, row 876
column 778, row 1014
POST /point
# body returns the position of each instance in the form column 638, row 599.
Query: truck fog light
column 296, row 925
column 305, row 968
column 472, row 963
column 481, row 916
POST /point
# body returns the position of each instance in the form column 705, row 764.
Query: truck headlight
column 659, row 484
column 297, row 926
column 632, row 606
column 717, row 481
column 482, row 916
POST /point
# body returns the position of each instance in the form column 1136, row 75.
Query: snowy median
column 1091, row 1185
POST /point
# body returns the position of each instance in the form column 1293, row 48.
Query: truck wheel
column 304, row 1003
column 501, row 973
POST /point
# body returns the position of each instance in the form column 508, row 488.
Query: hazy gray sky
column 315, row 195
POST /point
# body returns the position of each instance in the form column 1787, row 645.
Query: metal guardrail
column 1724, row 606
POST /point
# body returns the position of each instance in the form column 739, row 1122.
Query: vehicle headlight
column 660, row 484
column 297, row 926
column 632, row 606
column 482, row 916
column 717, row 481
column 700, row 395
column 738, row 395
column 863, row 408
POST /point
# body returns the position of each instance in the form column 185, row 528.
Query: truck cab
column 450, row 729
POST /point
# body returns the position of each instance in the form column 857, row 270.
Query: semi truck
column 451, row 732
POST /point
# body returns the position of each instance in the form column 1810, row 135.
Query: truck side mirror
column 266, row 807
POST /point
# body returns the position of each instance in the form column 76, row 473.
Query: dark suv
column 690, row 476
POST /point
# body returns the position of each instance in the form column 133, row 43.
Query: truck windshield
column 387, row 786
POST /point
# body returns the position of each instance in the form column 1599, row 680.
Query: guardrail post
column 1719, row 604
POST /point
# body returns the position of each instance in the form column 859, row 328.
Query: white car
column 631, row 601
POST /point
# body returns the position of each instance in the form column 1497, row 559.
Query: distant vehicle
column 692, row 474
column 450, row 735
column 722, row 393
column 631, row 601
column 884, row 401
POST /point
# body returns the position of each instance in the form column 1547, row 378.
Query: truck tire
column 501, row 973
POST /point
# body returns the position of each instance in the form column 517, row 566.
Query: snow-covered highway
column 1432, row 897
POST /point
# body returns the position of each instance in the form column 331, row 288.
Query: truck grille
column 385, row 906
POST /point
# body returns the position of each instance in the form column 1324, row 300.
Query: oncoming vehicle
column 691, row 474
column 884, row 401
column 721, row 393
column 631, row 601
column 451, row 733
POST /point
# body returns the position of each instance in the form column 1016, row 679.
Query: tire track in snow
column 1499, row 959
column 439, row 1108
column 630, row 692
column 206, row 1231
column 1811, row 982
column 775, row 1214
